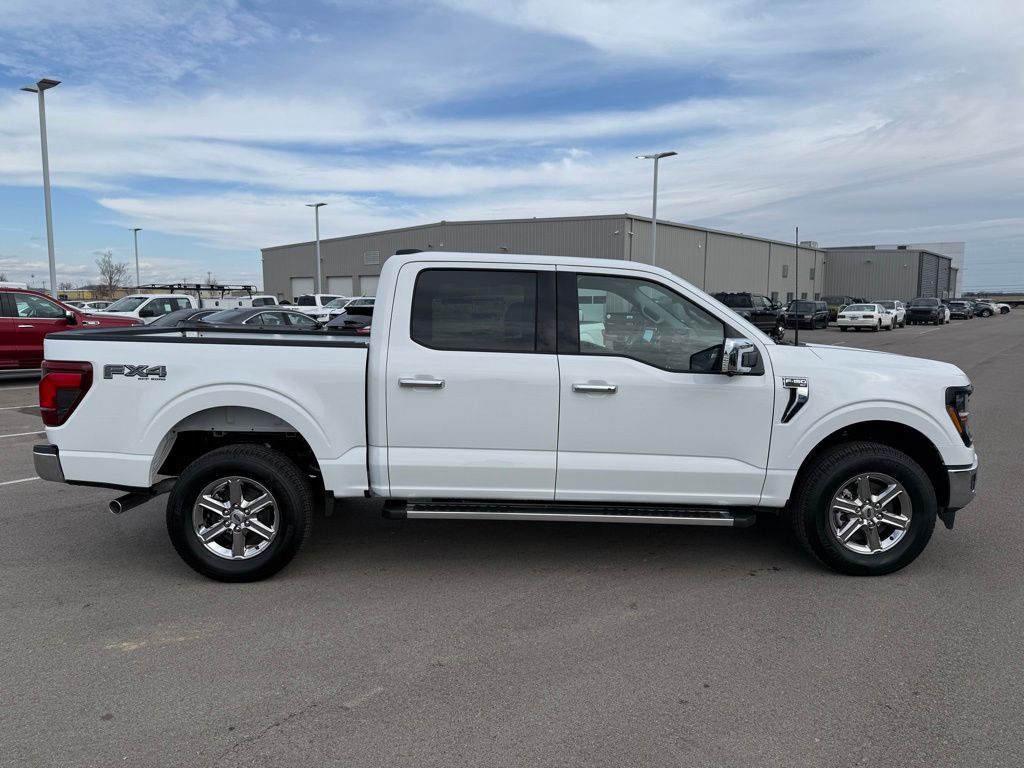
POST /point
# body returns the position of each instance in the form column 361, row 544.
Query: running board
column 566, row 512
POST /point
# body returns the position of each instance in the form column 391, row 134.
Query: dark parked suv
column 759, row 310
column 926, row 310
column 812, row 314
column 961, row 309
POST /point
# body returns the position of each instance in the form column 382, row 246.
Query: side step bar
column 568, row 512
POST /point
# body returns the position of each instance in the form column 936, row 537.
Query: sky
column 211, row 124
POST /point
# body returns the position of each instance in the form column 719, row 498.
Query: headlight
column 957, row 401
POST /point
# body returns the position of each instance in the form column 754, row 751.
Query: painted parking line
column 18, row 407
column 23, row 434
column 15, row 389
column 23, row 480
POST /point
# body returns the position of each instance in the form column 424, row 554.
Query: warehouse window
column 785, row 270
column 817, row 296
column 789, row 296
column 803, row 295
column 775, row 297
column 812, row 273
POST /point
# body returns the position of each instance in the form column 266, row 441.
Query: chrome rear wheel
column 235, row 518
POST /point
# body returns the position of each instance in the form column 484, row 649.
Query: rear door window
column 475, row 310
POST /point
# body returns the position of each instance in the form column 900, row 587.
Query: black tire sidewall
column 837, row 467
column 273, row 470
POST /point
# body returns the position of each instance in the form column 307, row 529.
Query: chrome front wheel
column 870, row 513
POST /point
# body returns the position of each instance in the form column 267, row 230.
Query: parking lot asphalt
column 449, row 643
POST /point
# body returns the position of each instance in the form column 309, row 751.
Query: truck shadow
column 357, row 536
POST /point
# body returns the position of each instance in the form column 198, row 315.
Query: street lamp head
column 43, row 85
column 315, row 205
column 136, row 229
column 657, row 155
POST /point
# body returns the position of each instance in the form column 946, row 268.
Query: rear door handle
column 423, row 383
column 606, row 389
column 26, row 326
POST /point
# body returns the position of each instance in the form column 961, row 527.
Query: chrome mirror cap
column 739, row 356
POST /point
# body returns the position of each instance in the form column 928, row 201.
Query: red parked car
column 27, row 316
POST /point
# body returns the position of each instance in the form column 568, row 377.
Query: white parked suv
column 477, row 396
column 336, row 307
column 314, row 303
column 148, row 307
column 897, row 309
column 872, row 317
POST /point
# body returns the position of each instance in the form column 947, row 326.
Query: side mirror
column 739, row 356
column 71, row 317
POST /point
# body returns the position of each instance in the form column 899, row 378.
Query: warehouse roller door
column 928, row 276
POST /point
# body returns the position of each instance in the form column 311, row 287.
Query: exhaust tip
column 115, row 507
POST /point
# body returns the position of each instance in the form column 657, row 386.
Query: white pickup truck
column 476, row 397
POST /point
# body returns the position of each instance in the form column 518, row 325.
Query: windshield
column 860, row 308
column 127, row 304
column 338, row 303
column 801, row 306
column 924, row 303
column 888, row 304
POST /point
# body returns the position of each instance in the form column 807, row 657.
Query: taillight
column 365, row 329
column 61, row 389
column 957, row 401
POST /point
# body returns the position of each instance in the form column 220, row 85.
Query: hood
column 831, row 357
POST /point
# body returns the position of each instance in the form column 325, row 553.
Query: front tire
column 864, row 509
column 240, row 513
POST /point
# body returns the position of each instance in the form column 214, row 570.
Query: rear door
column 35, row 317
column 472, row 383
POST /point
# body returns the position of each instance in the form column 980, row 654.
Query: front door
column 472, row 383
column 646, row 415
column 35, row 317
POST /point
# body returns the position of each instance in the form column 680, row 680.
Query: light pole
column 654, row 204
column 44, row 85
column 316, row 209
column 135, row 233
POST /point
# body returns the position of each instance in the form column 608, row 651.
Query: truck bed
column 153, row 385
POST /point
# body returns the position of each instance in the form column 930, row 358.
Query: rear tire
column 818, row 524
column 843, row 328
column 259, row 536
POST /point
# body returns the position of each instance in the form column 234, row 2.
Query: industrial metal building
column 711, row 260
column 954, row 250
column 874, row 273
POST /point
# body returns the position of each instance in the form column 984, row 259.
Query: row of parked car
column 848, row 312
column 27, row 317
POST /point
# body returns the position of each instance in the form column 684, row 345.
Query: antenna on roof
column 796, row 292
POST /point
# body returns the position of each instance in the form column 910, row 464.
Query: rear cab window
column 475, row 310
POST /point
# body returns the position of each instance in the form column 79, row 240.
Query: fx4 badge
column 146, row 372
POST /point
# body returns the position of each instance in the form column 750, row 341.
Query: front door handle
column 605, row 389
column 26, row 326
column 424, row 383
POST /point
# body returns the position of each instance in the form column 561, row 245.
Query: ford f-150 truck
column 477, row 397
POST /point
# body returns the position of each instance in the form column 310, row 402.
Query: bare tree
column 3, row 276
column 113, row 274
column 65, row 286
